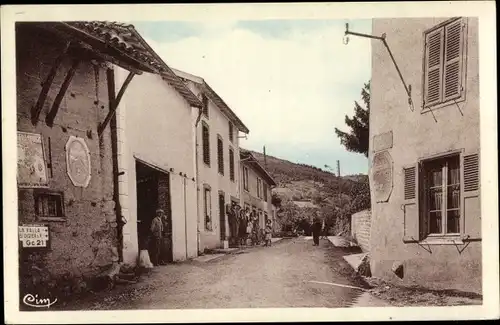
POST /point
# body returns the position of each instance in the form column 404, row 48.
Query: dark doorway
column 153, row 192
column 222, row 216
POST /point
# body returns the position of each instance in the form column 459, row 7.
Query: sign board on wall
column 34, row 235
column 78, row 161
column 31, row 167
column 382, row 176
column 382, row 141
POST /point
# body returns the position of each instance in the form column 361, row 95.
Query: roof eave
column 232, row 115
column 171, row 77
column 259, row 166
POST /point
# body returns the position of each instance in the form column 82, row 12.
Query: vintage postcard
column 250, row 162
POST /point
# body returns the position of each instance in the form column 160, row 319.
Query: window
column 206, row 144
column 259, row 188
column 441, row 180
column 434, row 193
column 49, row 206
column 204, row 101
column 220, row 155
column 245, row 178
column 231, row 164
column 444, row 63
column 231, row 131
column 207, row 208
column 265, row 191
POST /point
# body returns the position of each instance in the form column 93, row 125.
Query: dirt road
column 278, row 276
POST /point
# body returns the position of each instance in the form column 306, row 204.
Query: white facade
column 209, row 176
column 156, row 126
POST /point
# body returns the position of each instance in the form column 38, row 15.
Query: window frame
column 264, row 191
column 443, row 238
column 207, row 207
column 220, row 155
column 205, row 105
column 245, row 178
column 39, row 194
column 205, row 154
column 232, row 175
column 442, row 102
column 259, row 187
column 231, row 131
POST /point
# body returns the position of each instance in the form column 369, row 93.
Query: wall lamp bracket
column 383, row 39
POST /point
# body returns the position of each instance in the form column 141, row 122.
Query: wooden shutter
column 410, row 207
column 231, row 131
column 206, row 145
column 453, row 60
column 220, row 155
column 205, row 104
column 409, row 183
column 231, row 164
column 433, row 67
column 471, row 172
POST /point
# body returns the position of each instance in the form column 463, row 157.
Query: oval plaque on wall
column 78, row 161
column 382, row 176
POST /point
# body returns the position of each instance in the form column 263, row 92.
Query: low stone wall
column 360, row 229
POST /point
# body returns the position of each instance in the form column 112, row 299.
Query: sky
column 291, row 82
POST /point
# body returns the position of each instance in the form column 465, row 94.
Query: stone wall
column 85, row 241
column 360, row 229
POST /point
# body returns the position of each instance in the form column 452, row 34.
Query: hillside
column 305, row 182
column 307, row 190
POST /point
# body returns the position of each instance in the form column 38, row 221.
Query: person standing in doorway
column 316, row 230
column 157, row 235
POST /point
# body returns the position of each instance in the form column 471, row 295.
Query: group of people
column 249, row 229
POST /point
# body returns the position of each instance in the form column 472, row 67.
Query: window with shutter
column 471, row 173
column 231, row 164
column 206, row 144
column 220, row 155
column 204, row 100
column 444, row 63
column 231, row 131
column 245, row 178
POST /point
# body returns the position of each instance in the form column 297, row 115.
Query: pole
column 338, row 175
column 265, row 158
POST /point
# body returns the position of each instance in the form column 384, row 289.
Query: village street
column 277, row 276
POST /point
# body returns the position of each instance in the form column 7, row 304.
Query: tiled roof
column 247, row 157
column 125, row 39
column 214, row 97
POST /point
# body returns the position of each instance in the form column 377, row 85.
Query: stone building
column 424, row 153
column 69, row 221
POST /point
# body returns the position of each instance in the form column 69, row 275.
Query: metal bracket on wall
column 382, row 38
column 463, row 248
column 428, row 248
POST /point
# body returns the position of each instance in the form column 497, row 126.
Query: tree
column 357, row 139
column 276, row 200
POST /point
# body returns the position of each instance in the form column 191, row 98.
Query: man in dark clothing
column 316, row 230
column 157, row 235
